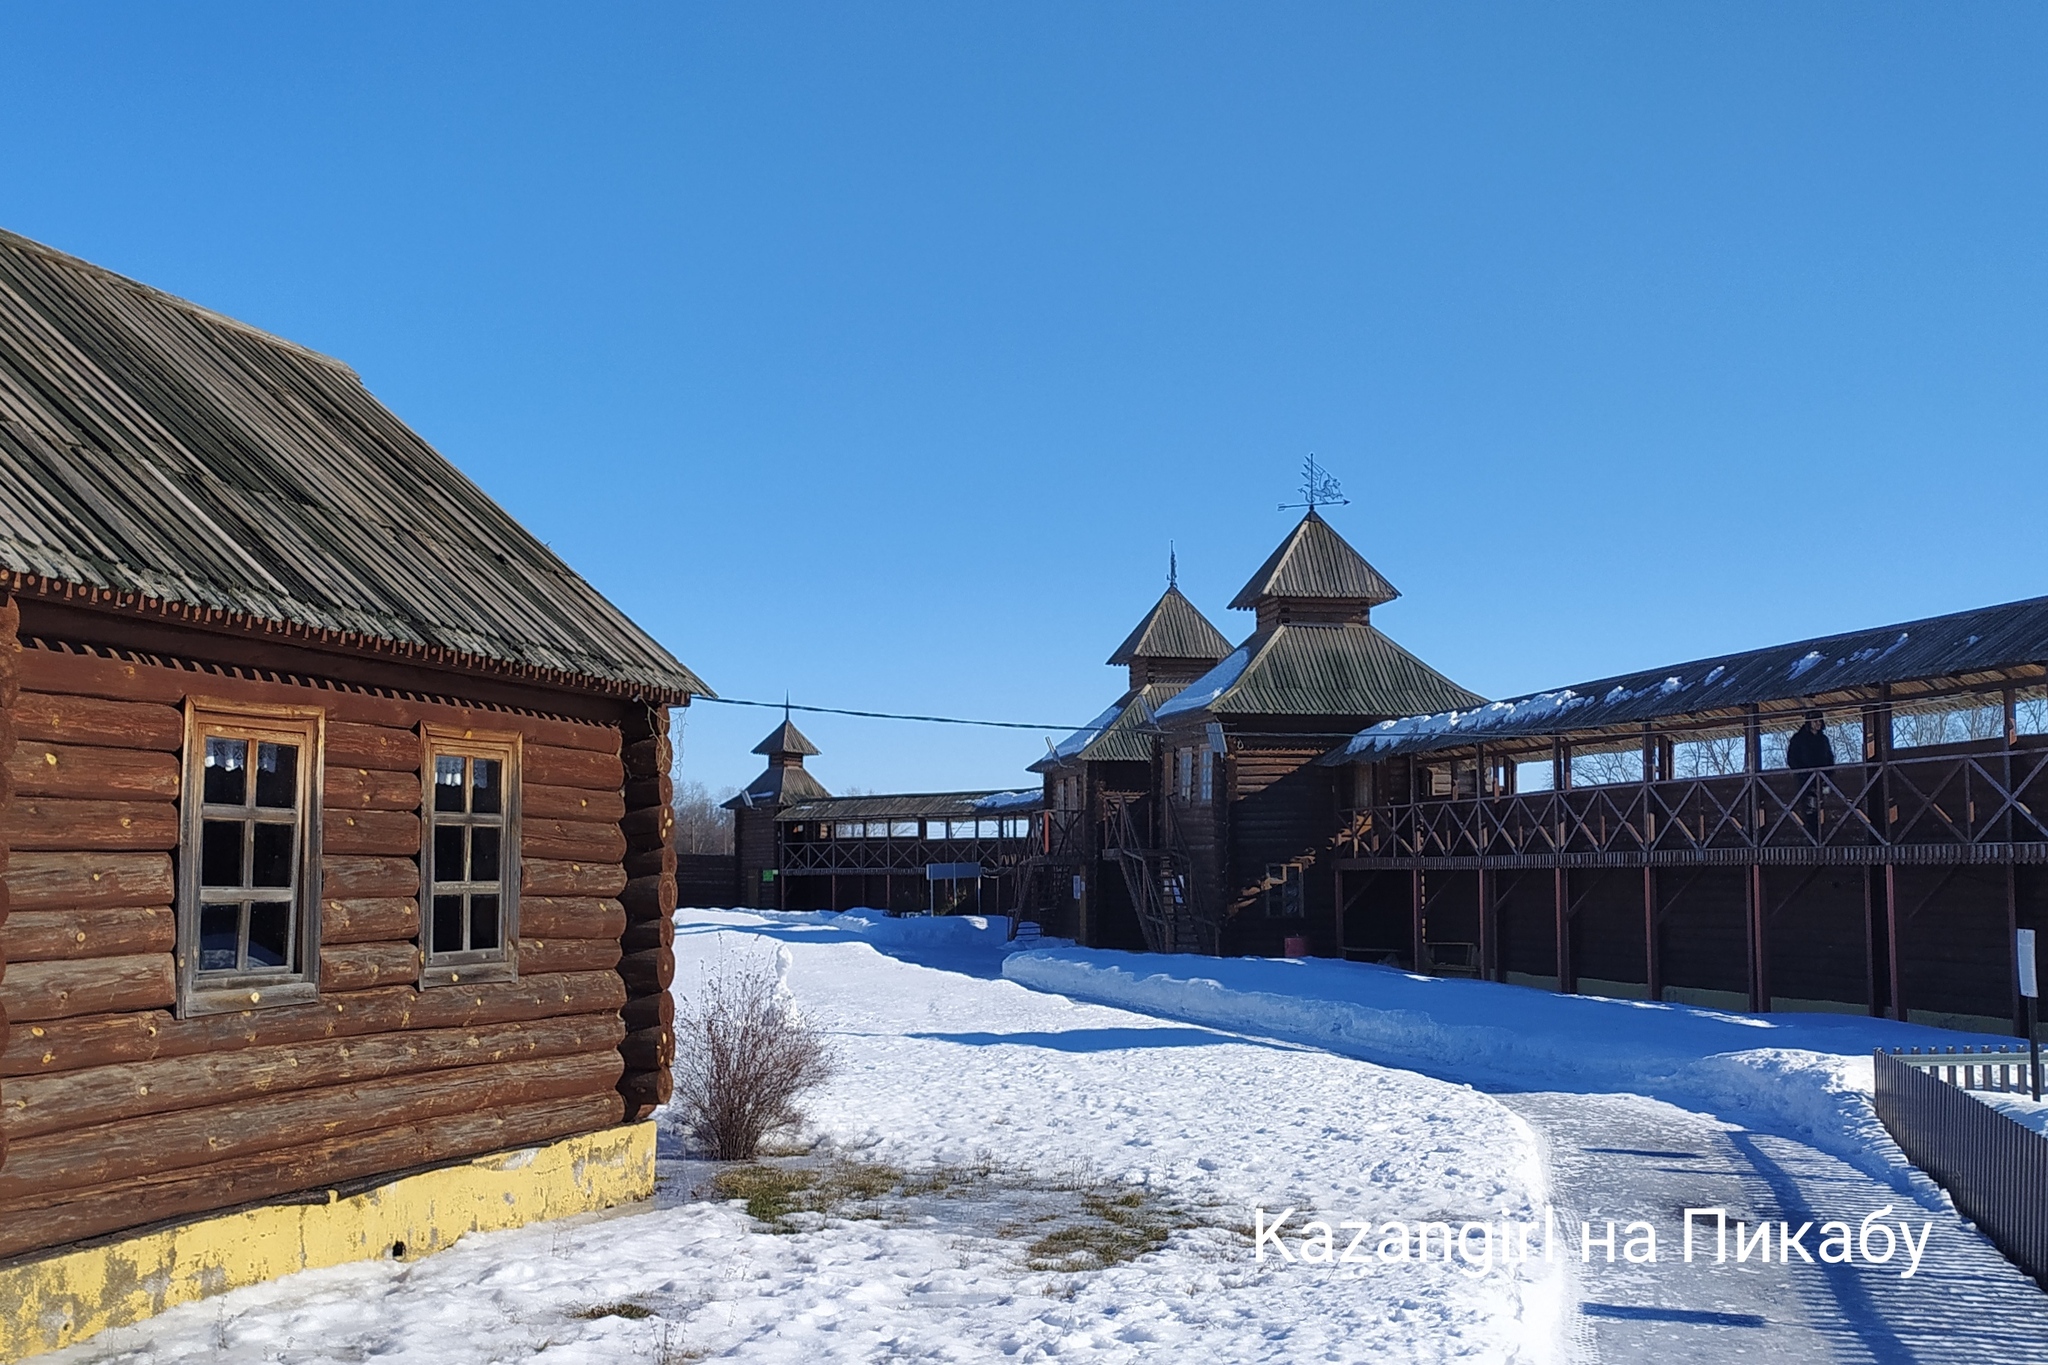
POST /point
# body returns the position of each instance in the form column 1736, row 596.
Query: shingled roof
column 167, row 459
column 1173, row 629
column 1314, row 561
column 785, row 739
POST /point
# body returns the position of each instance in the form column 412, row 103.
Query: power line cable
column 883, row 715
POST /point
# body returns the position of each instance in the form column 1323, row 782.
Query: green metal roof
column 1173, row 629
column 1314, row 561
column 1320, row 669
column 1119, row 735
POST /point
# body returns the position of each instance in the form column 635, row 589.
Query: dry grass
column 632, row 1312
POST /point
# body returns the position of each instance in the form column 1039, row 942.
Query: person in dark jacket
column 1806, row 750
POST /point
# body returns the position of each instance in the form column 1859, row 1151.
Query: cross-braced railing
column 1953, row 802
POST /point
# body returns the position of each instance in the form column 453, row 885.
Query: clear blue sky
column 876, row 352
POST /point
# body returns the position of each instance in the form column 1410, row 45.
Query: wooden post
column 2012, row 918
column 1891, row 933
column 1415, row 907
column 1653, row 963
column 1486, row 948
column 1566, row 978
column 1760, row 969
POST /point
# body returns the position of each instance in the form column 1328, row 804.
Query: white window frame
column 299, row 983
column 469, row 966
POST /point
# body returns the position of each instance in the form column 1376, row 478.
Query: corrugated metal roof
column 1173, row 629
column 920, row 805
column 1314, row 561
column 785, row 739
column 780, row 787
column 153, row 448
column 1984, row 641
column 1319, row 669
column 1118, row 735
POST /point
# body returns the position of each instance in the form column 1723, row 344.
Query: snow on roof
column 1210, row 685
column 1010, row 800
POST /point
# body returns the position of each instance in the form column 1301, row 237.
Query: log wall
column 115, row 1113
column 10, row 689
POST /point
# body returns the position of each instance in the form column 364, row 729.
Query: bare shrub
column 744, row 1057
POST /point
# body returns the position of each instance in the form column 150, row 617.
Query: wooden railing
column 1951, row 802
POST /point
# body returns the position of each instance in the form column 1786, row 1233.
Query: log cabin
column 1655, row 836
column 1099, row 772
column 337, row 814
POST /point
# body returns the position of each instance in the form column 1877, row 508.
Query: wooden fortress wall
column 115, row 1113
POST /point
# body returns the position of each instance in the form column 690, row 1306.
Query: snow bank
column 1807, row 1074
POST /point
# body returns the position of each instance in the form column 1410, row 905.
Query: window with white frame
column 249, row 858
column 469, row 860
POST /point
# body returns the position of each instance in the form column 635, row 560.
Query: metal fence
column 1994, row 1168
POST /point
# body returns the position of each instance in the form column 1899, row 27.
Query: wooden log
column 79, row 1158
column 376, row 833
column 369, row 919
column 649, row 897
column 571, row 917
column 59, row 1217
column 649, row 757
column 555, row 767
column 88, row 881
column 646, row 1091
column 570, row 803
column 572, row 841
column 351, row 876
column 70, row 935
column 90, row 721
column 126, row 680
column 650, row 826
column 543, row 877
column 650, row 791
column 45, row 769
column 649, row 1049
column 109, row 1040
column 649, row 1011
column 370, row 789
column 362, row 966
column 59, row 990
column 648, row 933
column 656, row 862
column 65, row 1103
column 380, row 747
column 648, row 971
column 53, row 824
column 568, row 954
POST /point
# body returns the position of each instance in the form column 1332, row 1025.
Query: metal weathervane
column 1319, row 488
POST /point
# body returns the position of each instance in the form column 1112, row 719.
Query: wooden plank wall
column 10, row 687
column 117, row 1114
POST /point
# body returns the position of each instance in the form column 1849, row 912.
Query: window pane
column 448, row 861
column 277, row 775
column 488, row 796
column 220, row 937
column 483, row 921
column 447, row 924
column 448, row 783
column 270, row 934
column 483, row 854
column 227, row 771
column 220, row 853
column 273, row 860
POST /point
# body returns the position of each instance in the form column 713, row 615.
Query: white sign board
column 2030, row 985
column 1080, row 887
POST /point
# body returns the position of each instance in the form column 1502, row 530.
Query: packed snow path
column 1613, row 1153
column 939, row 1065
column 1625, row 1157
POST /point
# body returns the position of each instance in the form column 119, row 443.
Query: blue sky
column 877, row 352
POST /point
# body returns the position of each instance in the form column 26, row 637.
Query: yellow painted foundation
column 60, row 1298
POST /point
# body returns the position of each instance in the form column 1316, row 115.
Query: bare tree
column 744, row 1057
column 703, row 824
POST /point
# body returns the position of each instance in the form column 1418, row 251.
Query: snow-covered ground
column 946, row 1065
